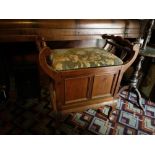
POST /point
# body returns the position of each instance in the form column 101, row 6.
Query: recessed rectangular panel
column 102, row 85
column 76, row 89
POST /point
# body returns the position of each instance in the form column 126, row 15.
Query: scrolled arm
column 131, row 50
column 132, row 57
column 40, row 42
column 44, row 52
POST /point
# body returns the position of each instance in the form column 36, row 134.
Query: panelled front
column 76, row 89
column 84, row 88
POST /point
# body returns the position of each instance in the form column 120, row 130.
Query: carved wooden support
column 134, row 78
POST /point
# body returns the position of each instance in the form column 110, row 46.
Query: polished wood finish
column 76, row 89
column 69, row 29
column 99, row 90
column 80, row 89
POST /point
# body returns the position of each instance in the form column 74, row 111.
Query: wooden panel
column 39, row 31
column 101, row 23
column 76, row 89
column 17, row 38
column 64, row 32
column 22, row 38
column 66, row 29
column 69, row 23
column 37, row 23
column 99, row 31
column 102, row 85
column 76, row 43
column 106, row 23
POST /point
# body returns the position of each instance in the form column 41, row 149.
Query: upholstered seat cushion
column 75, row 58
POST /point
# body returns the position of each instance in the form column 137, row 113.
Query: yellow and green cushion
column 76, row 58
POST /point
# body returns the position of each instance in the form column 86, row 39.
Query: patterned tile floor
column 34, row 116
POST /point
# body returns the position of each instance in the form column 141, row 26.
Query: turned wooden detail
column 132, row 86
column 147, row 35
column 81, row 89
column 134, row 78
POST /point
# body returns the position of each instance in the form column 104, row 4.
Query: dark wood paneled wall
column 61, row 29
